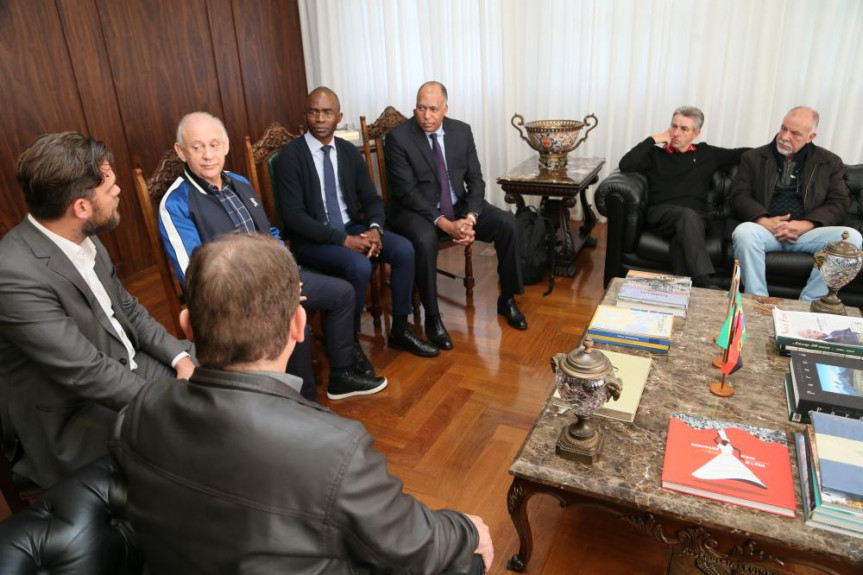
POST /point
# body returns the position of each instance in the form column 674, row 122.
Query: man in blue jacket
column 207, row 201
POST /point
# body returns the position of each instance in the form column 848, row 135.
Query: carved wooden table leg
column 516, row 502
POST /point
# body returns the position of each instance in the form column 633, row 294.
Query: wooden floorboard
column 451, row 426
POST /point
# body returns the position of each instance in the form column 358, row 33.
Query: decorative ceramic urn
column 838, row 263
column 585, row 379
column 553, row 139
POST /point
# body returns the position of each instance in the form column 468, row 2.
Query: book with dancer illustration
column 730, row 462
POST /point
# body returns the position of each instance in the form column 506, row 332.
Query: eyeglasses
column 328, row 113
column 215, row 147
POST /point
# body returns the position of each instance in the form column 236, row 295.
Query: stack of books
column 655, row 292
column 824, row 383
column 822, row 332
column 731, row 462
column 830, row 462
column 650, row 330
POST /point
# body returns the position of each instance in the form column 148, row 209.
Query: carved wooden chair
column 266, row 151
column 150, row 193
column 375, row 133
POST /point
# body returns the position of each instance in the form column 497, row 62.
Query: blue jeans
column 752, row 242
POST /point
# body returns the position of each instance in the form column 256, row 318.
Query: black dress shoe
column 409, row 341
column 437, row 333
column 349, row 384
column 508, row 309
column 360, row 363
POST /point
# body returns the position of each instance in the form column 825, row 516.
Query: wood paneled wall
column 126, row 72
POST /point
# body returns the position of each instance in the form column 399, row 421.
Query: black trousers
column 686, row 230
column 494, row 225
column 335, row 298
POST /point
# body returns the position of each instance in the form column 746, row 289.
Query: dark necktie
column 334, row 211
column 445, row 197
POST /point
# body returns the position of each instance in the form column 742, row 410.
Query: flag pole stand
column 719, row 389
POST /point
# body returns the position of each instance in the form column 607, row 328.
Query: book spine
column 790, row 344
column 629, row 337
column 805, row 405
column 655, row 348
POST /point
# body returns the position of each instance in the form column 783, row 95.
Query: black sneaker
column 360, row 363
column 349, row 384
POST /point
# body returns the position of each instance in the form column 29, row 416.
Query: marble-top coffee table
column 707, row 536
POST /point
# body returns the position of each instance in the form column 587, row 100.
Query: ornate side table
column 559, row 190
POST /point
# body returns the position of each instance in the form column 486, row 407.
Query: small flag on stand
column 734, row 359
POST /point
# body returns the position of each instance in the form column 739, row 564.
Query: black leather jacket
column 237, row 473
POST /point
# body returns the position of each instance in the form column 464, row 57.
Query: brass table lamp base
column 575, row 449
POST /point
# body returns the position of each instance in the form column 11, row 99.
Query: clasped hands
column 461, row 230
column 784, row 229
column 368, row 243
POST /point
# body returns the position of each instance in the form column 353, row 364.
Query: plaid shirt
column 238, row 213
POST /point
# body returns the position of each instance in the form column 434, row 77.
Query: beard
column 784, row 149
column 100, row 222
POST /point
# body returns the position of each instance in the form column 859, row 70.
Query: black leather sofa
column 72, row 528
column 622, row 198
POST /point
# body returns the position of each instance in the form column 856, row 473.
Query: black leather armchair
column 72, row 528
column 622, row 198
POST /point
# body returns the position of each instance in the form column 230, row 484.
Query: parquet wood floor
column 451, row 426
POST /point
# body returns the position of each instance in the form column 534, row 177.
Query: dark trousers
column 335, row 298
column 494, row 225
column 686, row 230
column 356, row 268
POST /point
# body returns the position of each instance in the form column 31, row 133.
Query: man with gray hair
column 678, row 173
column 791, row 196
column 206, row 201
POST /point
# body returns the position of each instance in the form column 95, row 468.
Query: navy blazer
column 298, row 194
column 412, row 174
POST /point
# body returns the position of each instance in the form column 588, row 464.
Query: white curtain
column 631, row 62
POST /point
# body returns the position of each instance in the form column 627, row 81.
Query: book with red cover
column 731, row 462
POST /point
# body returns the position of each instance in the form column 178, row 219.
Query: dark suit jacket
column 412, row 175
column 63, row 369
column 282, row 485
column 298, row 191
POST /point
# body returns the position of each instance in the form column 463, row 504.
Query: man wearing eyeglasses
column 206, row 202
column 334, row 217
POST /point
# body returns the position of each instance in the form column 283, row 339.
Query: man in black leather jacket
column 233, row 471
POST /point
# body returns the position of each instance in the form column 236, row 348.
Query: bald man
column 791, row 196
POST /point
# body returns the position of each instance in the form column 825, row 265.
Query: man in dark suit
column 336, row 223
column 437, row 190
column 75, row 346
column 234, row 471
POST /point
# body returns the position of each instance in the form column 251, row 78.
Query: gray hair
column 198, row 116
column 815, row 116
column 690, row 112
